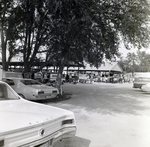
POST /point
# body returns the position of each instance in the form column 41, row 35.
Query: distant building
column 107, row 72
column 108, row 67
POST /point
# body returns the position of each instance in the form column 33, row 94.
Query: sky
column 124, row 51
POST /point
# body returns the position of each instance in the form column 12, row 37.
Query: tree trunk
column 26, row 66
column 26, row 73
column 59, row 78
column 3, row 42
column 3, row 45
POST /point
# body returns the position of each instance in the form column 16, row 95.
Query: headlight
column 67, row 121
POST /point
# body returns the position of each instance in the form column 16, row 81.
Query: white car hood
column 42, row 87
column 18, row 114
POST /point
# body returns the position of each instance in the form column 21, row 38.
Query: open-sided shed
column 106, row 67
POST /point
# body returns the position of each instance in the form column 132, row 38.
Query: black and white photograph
column 74, row 73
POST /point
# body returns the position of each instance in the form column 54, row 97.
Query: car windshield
column 30, row 82
column 6, row 93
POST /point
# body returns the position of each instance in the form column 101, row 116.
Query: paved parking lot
column 107, row 115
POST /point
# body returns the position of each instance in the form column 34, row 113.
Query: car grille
column 41, row 92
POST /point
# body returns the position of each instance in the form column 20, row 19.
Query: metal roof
column 108, row 66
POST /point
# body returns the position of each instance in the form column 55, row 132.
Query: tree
column 136, row 62
column 79, row 30
column 91, row 30
column 144, row 61
column 32, row 29
column 132, row 61
column 6, row 28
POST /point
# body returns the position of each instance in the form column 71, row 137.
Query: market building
column 107, row 72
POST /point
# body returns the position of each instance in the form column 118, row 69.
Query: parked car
column 31, row 89
column 53, row 77
column 28, row 124
column 146, row 87
column 141, row 79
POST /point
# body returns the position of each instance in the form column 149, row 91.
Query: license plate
column 49, row 96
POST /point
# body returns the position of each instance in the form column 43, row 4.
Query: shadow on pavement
column 105, row 99
column 73, row 142
column 59, row 98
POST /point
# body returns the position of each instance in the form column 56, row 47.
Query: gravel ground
column 107, row 115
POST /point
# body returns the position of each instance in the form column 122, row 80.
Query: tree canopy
column 72, row 31
column 92, row 30
column 136, row 62
column 6, row 29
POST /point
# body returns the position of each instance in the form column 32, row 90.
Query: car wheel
column 22, row 95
